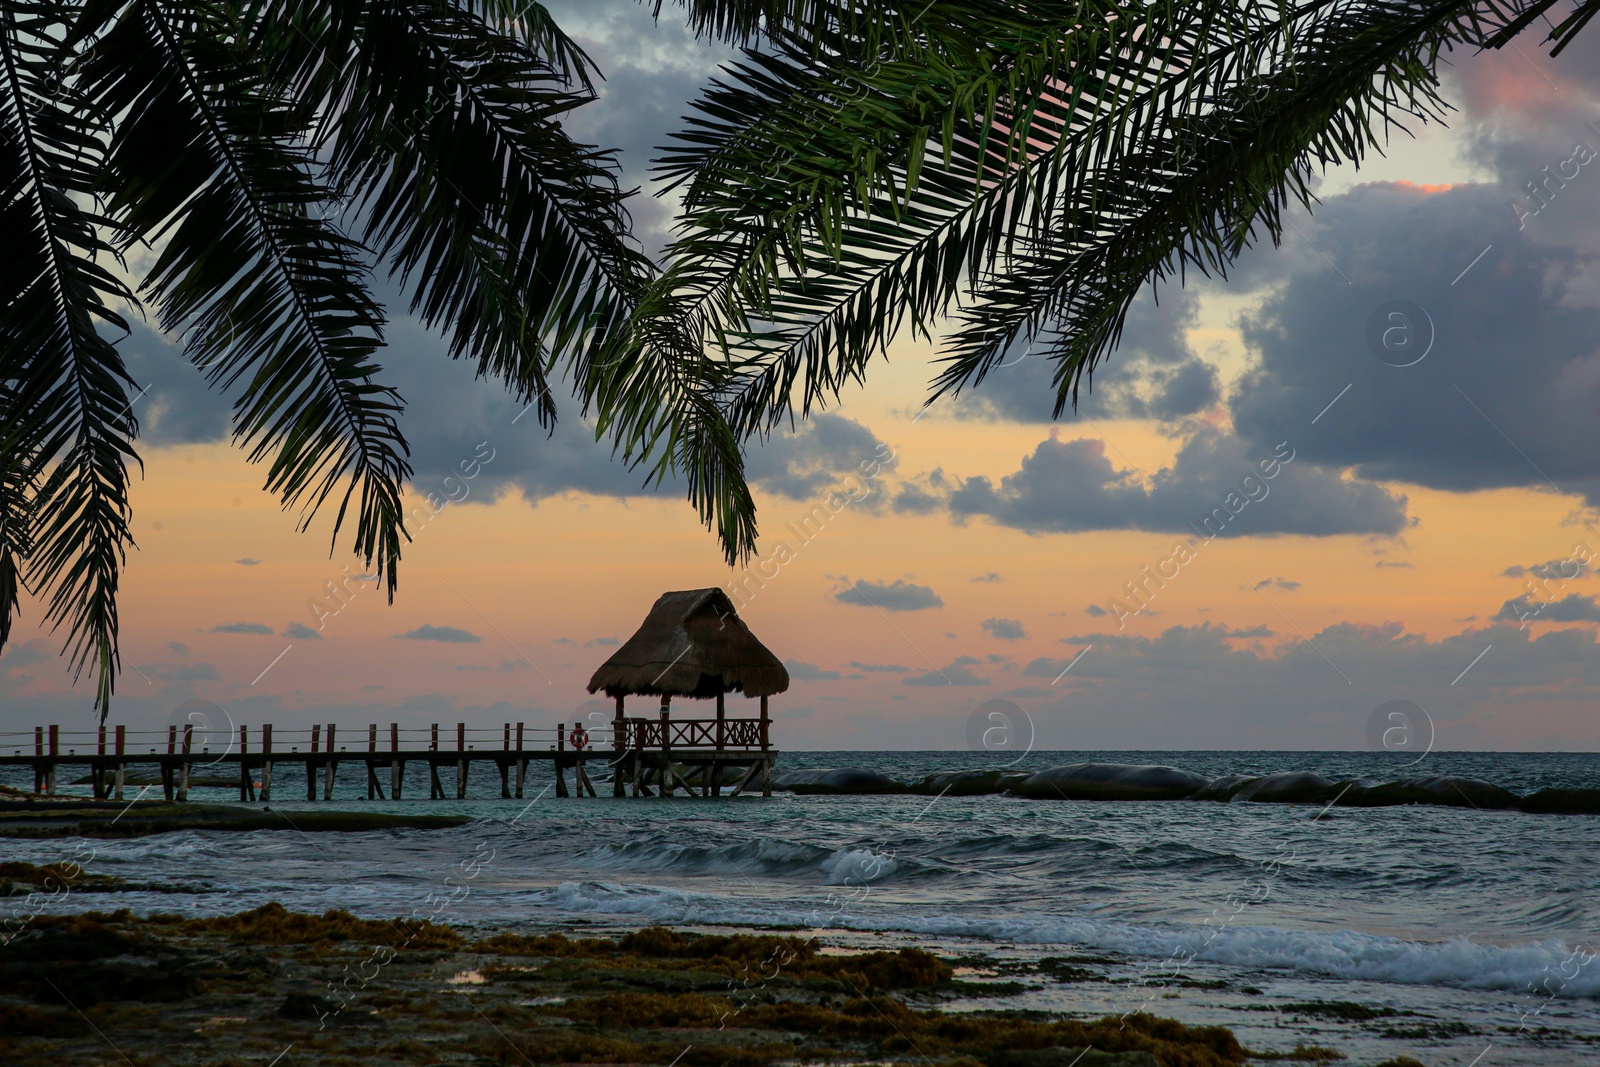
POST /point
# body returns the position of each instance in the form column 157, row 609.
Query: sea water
column 1474, row 930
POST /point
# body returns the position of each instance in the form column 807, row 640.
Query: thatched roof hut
column 692, row 644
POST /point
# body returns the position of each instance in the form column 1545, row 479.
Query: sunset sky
column 1409, row 507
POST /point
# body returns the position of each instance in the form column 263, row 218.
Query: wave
column 1538, row 969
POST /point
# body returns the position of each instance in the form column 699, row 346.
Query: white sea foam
column 1538, row 969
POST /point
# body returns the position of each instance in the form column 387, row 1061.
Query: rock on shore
column 1111, row 781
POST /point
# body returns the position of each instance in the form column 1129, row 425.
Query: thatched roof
column 692, row 644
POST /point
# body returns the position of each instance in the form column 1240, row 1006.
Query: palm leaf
column 66, row 426
column 208, row 162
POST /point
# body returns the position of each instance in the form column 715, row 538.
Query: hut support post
column 714, row 783
column 397, row 766
column 266, row 763
column 505, row 766
column 666, row 745
column 461, row 761
column 311, row 765
column 522, row 763
column 183, row 767
column 766, row 759
column 619, row 742
column 330, row 768
column 436, row 787
column 122, row 768
column 560, row 760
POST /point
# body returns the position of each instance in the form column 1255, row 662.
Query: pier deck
column 645, row 757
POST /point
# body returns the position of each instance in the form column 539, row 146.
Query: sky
column 1362, row 469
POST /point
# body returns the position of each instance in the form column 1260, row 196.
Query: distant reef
column 1143, row 781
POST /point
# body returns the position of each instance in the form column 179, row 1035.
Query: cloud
column 1525, row 692
column 1259, row 630
column 879, row 668
column 504, row 666
column 1095, row 610
column 301, row 632
column 1216, row 486
column 1396, row 563
column 447, row 634
column 184, row 672
column 1004, row 629
column 602, row 642
column 248, row 562
column 956, row 672
column 1460, row 419
column 820, row 457
column 898, row 595
column 1279, row 583
column 179, row 649
column 242, row 628
column 26, row 653
column 809, row 672
column 1556, row 570
column 992, row 576
column 1153, row 374
column 1574, row 607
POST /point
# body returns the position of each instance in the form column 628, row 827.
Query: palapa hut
column 693, row 644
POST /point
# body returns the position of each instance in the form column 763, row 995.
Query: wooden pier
column 647, row 757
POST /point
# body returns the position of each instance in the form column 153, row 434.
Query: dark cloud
column 879, row 668
column 809, row 672
column 1286, row 584
column 898, row 595
column 1095, row 610
column 1215, row 487
column 505, row 666
column 956, row 672
column 447, row 634
column 1259, row 630
column 992, row 576
column 602, row 642
column 1506, row 396
column 1396, row 563
column 248, row 562
column 818, row 458
column 179, row 649
column 242, row 628
column 23, row 654
column 1152, row 374
column 1574, row 607
column 301, row 632
column 1290, row 696
column 1004, row 629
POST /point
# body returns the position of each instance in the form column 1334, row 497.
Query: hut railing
column 692, row 733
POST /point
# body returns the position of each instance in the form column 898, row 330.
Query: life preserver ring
column 580, row 738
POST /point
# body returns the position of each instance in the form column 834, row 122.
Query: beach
column 1436, row 933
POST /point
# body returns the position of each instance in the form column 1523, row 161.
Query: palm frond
column 833, row 200
column 502, row 227
column 66, row 424
column 208, row 162
column 1209, row 184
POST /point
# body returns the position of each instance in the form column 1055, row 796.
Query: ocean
column 1458, row 936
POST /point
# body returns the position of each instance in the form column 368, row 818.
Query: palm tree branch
column 67, row 426
column 206, row 156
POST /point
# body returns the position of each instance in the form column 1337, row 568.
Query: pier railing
column 633, row 748
column 54, row 743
